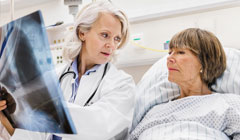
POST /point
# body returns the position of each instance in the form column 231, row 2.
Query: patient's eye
column 181, row 52
column 170, row 52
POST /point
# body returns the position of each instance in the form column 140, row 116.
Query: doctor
column 100, row 97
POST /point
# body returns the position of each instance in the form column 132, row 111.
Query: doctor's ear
column 81, row 36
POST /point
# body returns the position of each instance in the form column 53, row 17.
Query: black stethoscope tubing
column 74, row 76
column 65, row 73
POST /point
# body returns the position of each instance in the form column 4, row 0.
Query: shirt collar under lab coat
column 75, row 69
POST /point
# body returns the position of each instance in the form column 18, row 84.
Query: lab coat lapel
column 66, row 84
column 88, row 84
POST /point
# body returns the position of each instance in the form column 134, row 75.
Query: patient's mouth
column 172, row 69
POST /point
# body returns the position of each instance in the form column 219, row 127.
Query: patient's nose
column 170, row 59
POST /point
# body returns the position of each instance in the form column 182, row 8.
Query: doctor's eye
column 117, row 39
column 104, row 35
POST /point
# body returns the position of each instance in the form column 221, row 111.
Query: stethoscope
column 74, row 76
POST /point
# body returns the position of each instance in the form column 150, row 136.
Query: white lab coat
column 111, row 110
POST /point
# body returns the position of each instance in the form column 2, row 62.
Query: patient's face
column 183, row 66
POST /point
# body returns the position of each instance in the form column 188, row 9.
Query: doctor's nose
column 111, row 44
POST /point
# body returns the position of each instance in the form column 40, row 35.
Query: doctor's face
column 183, row 66
column 102, row 40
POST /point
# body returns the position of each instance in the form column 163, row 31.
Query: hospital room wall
column 134, row 60
column 52, row 11
column 224, row 23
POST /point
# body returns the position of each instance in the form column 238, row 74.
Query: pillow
column 154, row 87
column 229, row 82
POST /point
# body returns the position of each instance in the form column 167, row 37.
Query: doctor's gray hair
column 85, row 19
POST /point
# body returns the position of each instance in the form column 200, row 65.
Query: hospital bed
column 155, row 88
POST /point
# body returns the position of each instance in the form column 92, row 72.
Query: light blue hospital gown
column 209, row 117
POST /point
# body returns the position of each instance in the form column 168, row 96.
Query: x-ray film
column 27, row 73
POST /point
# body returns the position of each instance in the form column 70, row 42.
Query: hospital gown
column 209, row 117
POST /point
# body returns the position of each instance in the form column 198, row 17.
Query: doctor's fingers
column 3, row 105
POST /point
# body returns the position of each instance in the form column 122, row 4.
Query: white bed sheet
column 208, row 117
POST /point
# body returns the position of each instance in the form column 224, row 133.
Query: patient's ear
column 6, row 124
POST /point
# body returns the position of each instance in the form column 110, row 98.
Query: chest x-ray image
column 27, row 74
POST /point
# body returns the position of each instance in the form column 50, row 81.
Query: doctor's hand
column 8, row 105
column 6, row 101
column 3, row 105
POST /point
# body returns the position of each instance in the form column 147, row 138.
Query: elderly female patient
column 196, row 58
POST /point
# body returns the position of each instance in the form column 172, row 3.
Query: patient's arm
column 236, row 137
column 233, row 117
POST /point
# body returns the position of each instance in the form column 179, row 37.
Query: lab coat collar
column 75, row 69
column 88, row 85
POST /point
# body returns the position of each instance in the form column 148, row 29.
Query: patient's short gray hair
column 84, row 21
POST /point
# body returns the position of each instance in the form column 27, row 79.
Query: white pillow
column 229, row 82
column 154, row 87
